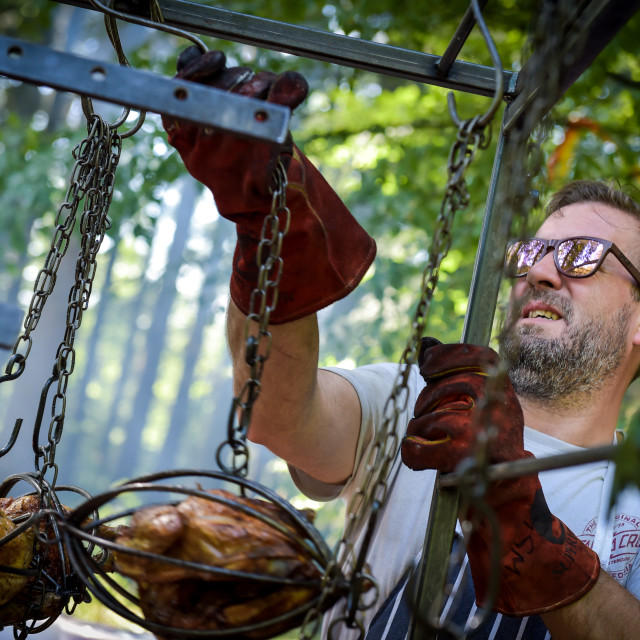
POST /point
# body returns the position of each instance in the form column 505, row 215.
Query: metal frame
column 317, row 45
column 600, row 18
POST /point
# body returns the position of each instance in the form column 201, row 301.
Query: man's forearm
column 607, row 611
column 308, row 417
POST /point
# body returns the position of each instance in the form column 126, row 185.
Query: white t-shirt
column 574, row 494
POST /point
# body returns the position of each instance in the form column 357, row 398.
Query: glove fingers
column 258, row 86
column 232, row 79
column 200, row 67
column 187, row 56
column 289, row 89
column 435, row 441
column 449, row 359
column 466, row 387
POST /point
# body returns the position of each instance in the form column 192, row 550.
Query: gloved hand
column 543, row 565
column 326, row 252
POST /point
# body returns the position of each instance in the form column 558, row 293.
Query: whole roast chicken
column 230, row 536
column 46, row 582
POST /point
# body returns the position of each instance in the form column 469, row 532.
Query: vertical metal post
column 483, row 296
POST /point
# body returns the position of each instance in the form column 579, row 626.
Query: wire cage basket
column 37, row 579
column 198, row 562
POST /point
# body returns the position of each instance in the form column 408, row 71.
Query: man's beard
column 562, row 370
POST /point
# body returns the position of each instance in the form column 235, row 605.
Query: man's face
column 566, row 336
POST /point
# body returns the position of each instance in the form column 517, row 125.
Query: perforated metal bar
column 143, row 90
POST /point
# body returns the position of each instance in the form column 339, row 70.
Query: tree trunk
column 155, row 338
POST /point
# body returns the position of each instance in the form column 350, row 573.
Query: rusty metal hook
column 497, row 65
column 153, row 24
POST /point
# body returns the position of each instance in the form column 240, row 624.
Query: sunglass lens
column 579, row 257
column 522, row 255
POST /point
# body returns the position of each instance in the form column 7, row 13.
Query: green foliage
column 27, row 19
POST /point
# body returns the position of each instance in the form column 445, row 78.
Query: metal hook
column 37, row 449
column 10, row 374
column 12, row 439
column 150, row 23
column 87, row 109
column 110, row 15
column 497, row 65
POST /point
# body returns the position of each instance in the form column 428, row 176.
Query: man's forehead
column 590, row 219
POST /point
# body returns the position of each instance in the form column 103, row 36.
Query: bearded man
column 571, row 344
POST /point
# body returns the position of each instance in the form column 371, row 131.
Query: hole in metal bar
column 260, row 115
column 14, row 52
column 98, row 74
column 181, row 93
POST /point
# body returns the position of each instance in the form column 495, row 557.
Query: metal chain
column 256, row 329
column 92, row 178
column 80, row 180
column 369, row 499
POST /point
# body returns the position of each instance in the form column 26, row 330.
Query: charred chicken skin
column 222, row 536
column 45, row 592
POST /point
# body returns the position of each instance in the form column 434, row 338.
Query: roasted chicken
column 225, row 537
column 22, row 595
column 45, row 591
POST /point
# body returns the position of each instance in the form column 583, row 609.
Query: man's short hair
column 595, row 191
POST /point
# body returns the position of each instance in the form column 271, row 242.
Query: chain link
column 263, row 301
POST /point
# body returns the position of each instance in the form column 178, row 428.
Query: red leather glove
column 325, row 252
column 543, row 565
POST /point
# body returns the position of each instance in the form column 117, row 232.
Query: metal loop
column 89, row 113
column 240, row 459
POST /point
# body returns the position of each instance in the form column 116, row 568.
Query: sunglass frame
column 553, row 244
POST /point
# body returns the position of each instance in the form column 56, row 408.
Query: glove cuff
column 325, row 252
column 543, row 564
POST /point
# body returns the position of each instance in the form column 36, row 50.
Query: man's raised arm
column 308, row 417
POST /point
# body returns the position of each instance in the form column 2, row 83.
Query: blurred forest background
column 151, row 387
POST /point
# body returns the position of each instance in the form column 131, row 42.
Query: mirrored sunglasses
column 574, row 257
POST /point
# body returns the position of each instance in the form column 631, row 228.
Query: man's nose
column 544, row 274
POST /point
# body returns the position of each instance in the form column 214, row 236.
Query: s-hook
column 497, row 65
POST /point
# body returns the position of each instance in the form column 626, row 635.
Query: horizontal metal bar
column 241, row 116
column 529, row 466
column 318, row 45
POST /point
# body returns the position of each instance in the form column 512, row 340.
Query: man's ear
column 636, row 335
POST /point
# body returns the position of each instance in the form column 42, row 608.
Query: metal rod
column 487, row 270
column 432, row 572
column 319, row 45
column 530, row 466
column 457, row 42
column 143, row 90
